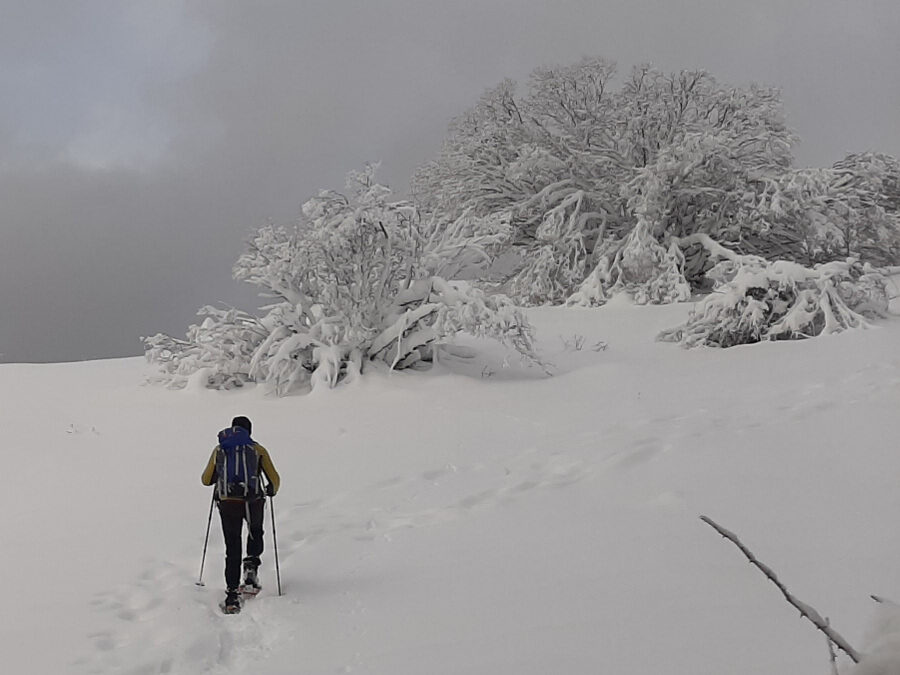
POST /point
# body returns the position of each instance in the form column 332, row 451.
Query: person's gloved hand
column 270, row 490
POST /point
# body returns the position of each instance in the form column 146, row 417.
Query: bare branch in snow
column 831, row 654
column 805, row 610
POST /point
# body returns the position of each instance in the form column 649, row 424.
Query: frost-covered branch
column 832, row 655
column 806, row 611
column 713, row 248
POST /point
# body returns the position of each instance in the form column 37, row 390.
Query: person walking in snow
column 236, row 467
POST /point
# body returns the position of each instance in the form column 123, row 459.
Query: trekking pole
column 275, row 543
column 212, row 502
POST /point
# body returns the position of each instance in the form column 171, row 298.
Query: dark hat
column 243, row 422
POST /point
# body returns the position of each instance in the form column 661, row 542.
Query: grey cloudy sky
column 142, row 142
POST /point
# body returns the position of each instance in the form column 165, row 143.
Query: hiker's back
column 237, row 465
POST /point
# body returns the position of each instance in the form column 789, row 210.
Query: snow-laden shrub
column 434, row 308
column 471, row 311
column 358, row 279
column 222, row 344
column 299, row 346
column 756, row 300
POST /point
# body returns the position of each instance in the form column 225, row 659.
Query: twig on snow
column 880, row 599
column 805, row 610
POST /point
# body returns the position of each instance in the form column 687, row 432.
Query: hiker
column 236, row 467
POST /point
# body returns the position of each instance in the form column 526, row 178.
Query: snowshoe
column 250, row 590
column 232, row 602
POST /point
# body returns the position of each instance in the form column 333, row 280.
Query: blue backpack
column 237, row 465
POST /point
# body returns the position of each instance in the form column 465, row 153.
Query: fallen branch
column 805, row 610
column 831, row 654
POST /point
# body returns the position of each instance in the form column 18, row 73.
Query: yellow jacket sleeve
column 209, row 473
column 268, row 468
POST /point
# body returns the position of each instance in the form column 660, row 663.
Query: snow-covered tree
column 358, row 279
column 704, row 184
column 476, row 169
column 573, row 159
column 525, row 157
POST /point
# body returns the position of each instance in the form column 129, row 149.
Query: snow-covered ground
column 475, row 519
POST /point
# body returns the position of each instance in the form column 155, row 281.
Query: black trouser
column 233, row 513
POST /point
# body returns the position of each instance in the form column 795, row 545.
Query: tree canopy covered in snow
column 598, row 176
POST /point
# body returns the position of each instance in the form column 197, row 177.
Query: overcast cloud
column 142, row 142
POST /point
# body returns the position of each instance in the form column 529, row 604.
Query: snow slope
column 476, row 519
